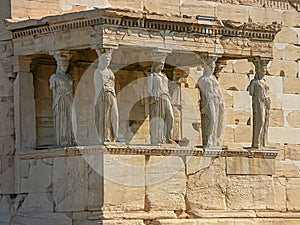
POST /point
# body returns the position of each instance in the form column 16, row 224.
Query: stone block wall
column 76, row 187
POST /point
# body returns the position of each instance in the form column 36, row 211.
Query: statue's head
column 159, row 59
column 260, row 68
column 157, row 67
column 62, row 61
column 209, row 64
column 105, row 57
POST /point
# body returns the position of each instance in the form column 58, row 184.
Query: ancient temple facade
column 149, row 112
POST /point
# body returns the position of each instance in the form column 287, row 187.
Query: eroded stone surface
column 293, row 201
column 70, row 184
column 165, row 183
column 206, row 188
column 38, row 177
column 254, row 192
column 249, row 166
column 124, row 183
column 38, row 209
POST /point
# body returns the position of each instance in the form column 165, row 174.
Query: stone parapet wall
column 221, row 8
column 80, row 186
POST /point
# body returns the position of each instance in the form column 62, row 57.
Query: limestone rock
column 254, row 192
column 194, row 8
column 237, row 82
column 276, row 118
column 165, row 183
column 284, row 135
column 292, row 152
column 38, row 179
column 293, row 119
column 237, row 117
column 126, row 173
column 110, row 222
column 70, row 183
column 170, row 7
column 7, row 174
column 37, row 209
column 5, row 214
column 243, row 133
column 287, row 168
column 291, row 18
column 266, row 15
column 291, row 52
column 231, row 12
column 292, row 191
column 241, row 99
column 206, row 188
column 291, row 85
column 249, row 166
column 287, row 67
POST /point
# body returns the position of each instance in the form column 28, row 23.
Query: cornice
column 126, row 19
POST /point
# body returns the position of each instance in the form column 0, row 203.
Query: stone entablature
column 109, row 26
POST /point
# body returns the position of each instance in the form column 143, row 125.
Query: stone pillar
column 24, row 105
column 161, row 111
column 211, row 103
column 259, row 90
column 105, row 98
column 7, row 145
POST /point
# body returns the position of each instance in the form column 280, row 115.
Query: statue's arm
column 52, row 84
column 150, row 84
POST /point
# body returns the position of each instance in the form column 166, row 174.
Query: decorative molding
column 148, row 150
column 189, row 28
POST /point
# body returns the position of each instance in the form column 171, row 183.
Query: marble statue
column 259, row 90
column 61, row 85
column 106, row 109
column 161, row 112
column 211, row 105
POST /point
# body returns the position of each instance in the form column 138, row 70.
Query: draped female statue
column 259, row 90
column 106, row 109
column 161, row 112
column 61, row 85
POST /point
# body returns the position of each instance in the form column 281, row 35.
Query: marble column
column 24, row 105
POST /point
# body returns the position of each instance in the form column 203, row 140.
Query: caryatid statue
column 61, row 85
column 106, row 108
column 259, row 90
column 211, row 104
column 161, row 112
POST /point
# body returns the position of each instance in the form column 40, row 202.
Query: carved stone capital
column 260, row 62
column 21, row 64
column 62, row 55
column 208, row 62
column 220, row 64
column 160, row 54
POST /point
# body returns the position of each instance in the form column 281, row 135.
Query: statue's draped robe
column 161, row 112
column 106, row 109
column 61, row 85
column 259, row 91
column 212, row 110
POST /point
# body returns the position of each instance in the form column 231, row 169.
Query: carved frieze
column 125, row 27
